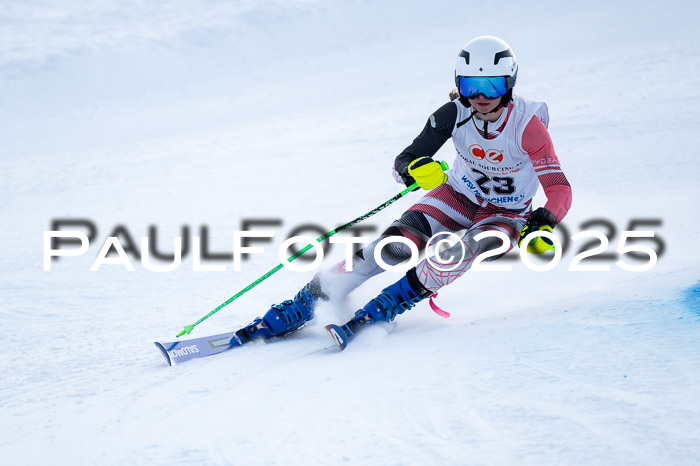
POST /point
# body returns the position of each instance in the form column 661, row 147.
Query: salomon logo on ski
column 187, row 350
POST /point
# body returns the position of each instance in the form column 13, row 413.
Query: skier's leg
column 428, row 276
column 425, row 279
column 337, row 282
column 445, row 210
column 455, row 261
column 442, row 209
column 393, row 300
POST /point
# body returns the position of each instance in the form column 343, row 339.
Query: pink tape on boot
column 436, row 309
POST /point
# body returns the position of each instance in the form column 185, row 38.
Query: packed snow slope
column 181, row 114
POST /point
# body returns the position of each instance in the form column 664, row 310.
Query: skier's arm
column 537, row 143
column 436, row 132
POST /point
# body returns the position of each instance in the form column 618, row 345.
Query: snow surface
column 179, row 113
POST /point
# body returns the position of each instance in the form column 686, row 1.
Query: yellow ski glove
column 540, row 220
column 427, row 173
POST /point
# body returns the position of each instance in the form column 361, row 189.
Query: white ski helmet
column 487, row 56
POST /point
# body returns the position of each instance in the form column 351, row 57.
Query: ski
column 342, row 334
column 178, row 352
column 338, row 335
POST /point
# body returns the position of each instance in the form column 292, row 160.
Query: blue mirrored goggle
column 491, row 86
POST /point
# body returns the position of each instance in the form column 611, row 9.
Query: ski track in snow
column 208, row 113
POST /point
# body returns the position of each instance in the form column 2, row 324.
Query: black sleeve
column 436, row 132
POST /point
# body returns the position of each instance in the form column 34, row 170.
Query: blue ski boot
column 392, row 301
column 286, row 317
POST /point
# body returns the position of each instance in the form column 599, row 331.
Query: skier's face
column 483, row 105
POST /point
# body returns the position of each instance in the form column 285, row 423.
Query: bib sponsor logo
column 490, row 155
column 477, row 151
column 184, row 351
column 545, row 161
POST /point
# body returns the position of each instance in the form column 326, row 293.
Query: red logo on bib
column 477, row 151
column 492, row 155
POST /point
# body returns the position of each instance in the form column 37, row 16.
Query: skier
column 503, row 152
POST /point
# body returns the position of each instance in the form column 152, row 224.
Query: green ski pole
column 189, row 328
